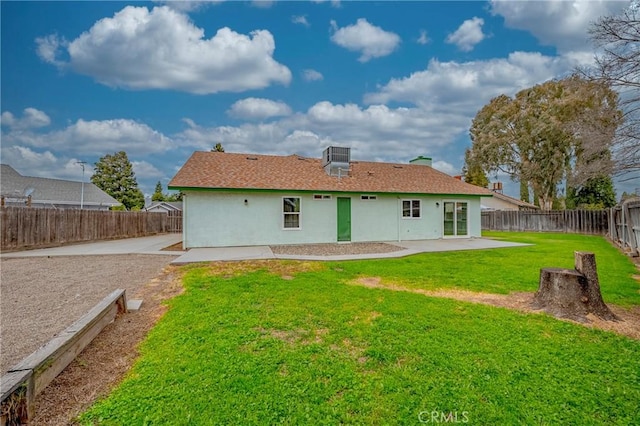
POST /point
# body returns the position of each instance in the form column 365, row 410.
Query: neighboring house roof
column 50, row 191
column 165, row 205
column 515, row 201
column 217, row 170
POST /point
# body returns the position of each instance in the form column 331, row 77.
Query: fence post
column 630, row 228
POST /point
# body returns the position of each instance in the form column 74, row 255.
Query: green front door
column 344, row 219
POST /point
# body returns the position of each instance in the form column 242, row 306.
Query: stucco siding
column 374, row 220
column 222, row 219
column 215, row 219
column 475, row 225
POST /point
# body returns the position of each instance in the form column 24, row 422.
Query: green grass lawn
column 292, row 343
column 509, row 269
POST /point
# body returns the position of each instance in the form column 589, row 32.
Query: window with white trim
column 291, row 212
column 369, row 197
column 410, row 209
column 321, row 196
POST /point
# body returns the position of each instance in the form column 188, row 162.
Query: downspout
column 398, row 213
column 184, row 221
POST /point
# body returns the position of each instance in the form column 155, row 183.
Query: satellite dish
column 28, row 191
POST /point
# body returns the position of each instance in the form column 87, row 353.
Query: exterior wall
column 475, row 225
column 219, row 219
column 222, row 219
column 498, row 204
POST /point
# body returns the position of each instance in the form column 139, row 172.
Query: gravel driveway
column 41, row 296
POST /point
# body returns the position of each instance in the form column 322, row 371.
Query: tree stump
column 572, row 294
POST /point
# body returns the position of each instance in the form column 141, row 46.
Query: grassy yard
column 293, row 343
column 510, row 269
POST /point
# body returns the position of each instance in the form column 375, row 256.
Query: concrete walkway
column 142, row 245
column 408, row 248
column 155, row 244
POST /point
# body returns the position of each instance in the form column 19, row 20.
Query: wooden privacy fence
column 23, row 228
column 624, row 226
column 572, row 221
column 174, row 221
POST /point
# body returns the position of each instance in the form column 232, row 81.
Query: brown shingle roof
column 221, row 170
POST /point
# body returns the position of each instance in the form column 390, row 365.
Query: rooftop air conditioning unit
column 335, row 160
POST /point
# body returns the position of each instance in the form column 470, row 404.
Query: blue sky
column 159, row 80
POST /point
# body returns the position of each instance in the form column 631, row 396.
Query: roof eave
column 210, row 189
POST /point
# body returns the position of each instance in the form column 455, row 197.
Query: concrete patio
column 155, row 245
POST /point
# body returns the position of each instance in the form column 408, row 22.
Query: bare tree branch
column 618, row 64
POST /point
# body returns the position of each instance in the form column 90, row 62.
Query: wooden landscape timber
column 25, row 380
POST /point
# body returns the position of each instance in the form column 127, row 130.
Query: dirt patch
column 335, row 249
column 293, row 337
column 174, row 247
column 629, row 326
column 287, row 269
column 105, row 362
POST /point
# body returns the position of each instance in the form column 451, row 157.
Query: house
column 18, row 190
column 499, row 201
column 247, row 199
column 164, row 207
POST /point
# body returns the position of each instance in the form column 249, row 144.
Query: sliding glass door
column 456, row 219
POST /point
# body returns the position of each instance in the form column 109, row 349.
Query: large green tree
column 176, row 196
column 114, row 174
column 472, row 171
column 157, row 194
column 558, row 131
column 596, row 193
column 217, row 148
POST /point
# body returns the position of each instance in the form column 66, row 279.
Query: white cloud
column 163, row 49
column 468, row 34
column 258, row 108
column 188, row 5
column 304, row 141
column 300, row 19
column 371, row 41
column 113, row 135
column 93, row 137
column 28, row 159
column 312, row 75
column 423, row 39
column 31, row 118
column 374, row 133
column 464, row 87
column 60, row 166
column 560, row 23
column 145, row 170
column 48, row 48
column 446, row 167
column 44, row 164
